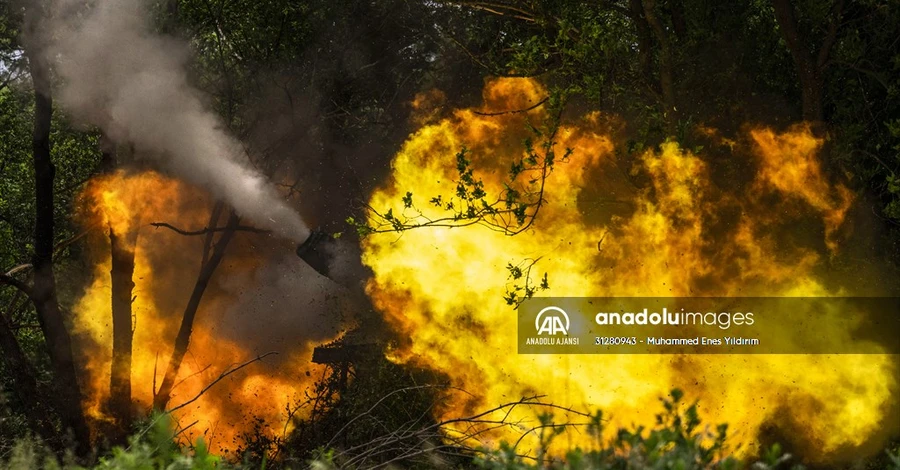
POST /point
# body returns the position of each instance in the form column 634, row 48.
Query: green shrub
column 154, row 448
column 676, row 442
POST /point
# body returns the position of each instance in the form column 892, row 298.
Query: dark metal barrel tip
column 316, row 251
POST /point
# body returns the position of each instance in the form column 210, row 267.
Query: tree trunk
column 122, row 286
column 811, row 86
column 121, row 274
column 666, row 67
column 810, row 71
column 161, row 398
column 644, row 36
column 679, row 24
column 59, row 344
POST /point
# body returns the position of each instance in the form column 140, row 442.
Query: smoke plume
column 121, row 76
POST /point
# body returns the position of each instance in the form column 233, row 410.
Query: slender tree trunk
column 121, row 274
column 812, row 93
column 122, row 281
column 666, row 67
column 644, row 36
column 679, row 24
column 810, row 70
column 810, row 83
column 161, row 398
column 59, row 344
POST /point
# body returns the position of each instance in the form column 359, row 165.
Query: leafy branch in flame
column 522, row 286
column 511, row 211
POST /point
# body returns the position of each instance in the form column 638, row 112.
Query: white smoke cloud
column 121, row 76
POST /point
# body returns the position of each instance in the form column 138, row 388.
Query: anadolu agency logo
column 550, row 321
column 552, row 326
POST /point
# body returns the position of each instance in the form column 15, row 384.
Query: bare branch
column 372, row 408
column 515, row 111
column 191, row 376
column 499, row 9
column 58, row 248
column 222, row 376
column 206, row 230
column 11, row 281
column 452, row 437
column 182, row 430
column 18, row 269
column 871, row 73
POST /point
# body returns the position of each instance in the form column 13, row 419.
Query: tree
column 122, row 285
column 810, row 63
column 182, row 340
column 42, row 292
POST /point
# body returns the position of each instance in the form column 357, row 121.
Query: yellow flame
column 599, row 235
column 789, row 164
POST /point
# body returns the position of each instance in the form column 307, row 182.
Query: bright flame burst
column 166, row 267
column 765, row 230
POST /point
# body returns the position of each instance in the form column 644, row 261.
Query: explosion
column 666, row 222
column 166, row 265
column 757, row 217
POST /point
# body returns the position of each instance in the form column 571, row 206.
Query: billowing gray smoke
column 118, row 74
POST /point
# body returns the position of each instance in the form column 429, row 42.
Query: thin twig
column 222, row 376
column 190, row 376
column 514, row 111
column 182, row 430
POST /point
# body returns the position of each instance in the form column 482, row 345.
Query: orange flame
column 684, row 231
column 166, row 266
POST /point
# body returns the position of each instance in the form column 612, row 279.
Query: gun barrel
column 316, row 251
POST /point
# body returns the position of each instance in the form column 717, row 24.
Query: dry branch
column 450, row 437
column 21, row 286
column 514, row 111
column 221, row 376
column 207, row 230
